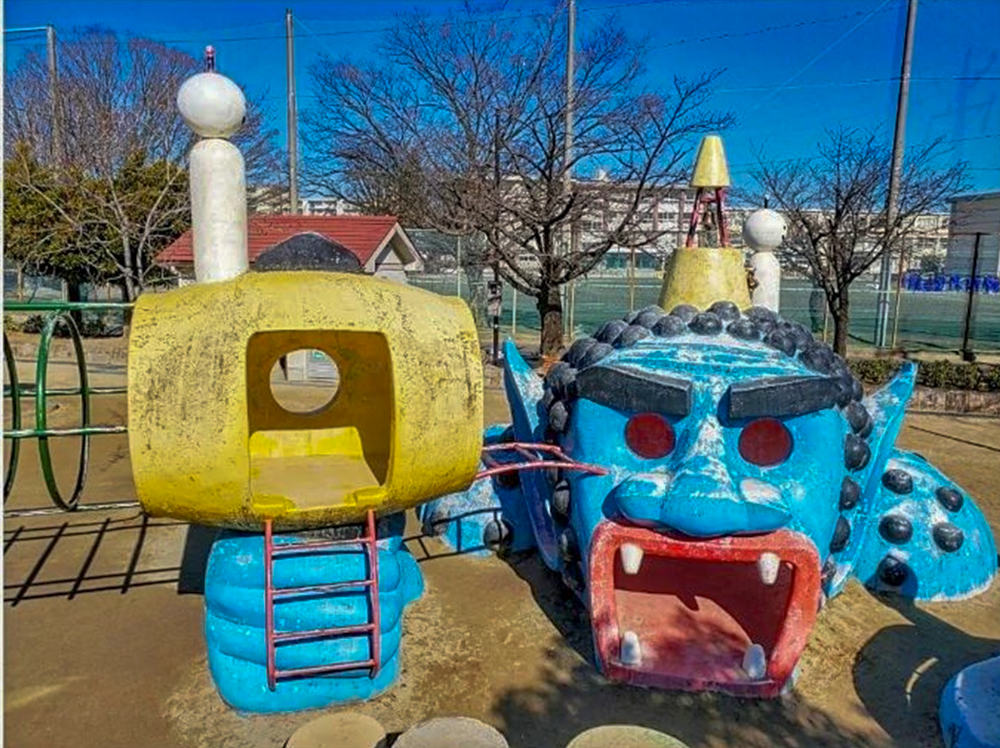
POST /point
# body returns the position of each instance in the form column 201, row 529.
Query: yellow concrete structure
column 210, row 444
column 700, row 276
column 710, row 167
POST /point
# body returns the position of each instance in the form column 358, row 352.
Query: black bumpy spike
column 892, row 571
column 897, row 481
column 669, row 327
column 727, row 311
column 631, row 335
column 850, row 494
column 594, row 354
column 685, row 311
column 705, row 323
column 841, row 534
column 744, row 329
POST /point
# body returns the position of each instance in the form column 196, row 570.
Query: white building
column 974, row 216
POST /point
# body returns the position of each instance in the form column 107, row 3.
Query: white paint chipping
column 759, row 491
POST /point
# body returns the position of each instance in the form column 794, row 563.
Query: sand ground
column 104, row 648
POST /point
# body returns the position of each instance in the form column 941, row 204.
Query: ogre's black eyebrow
column 632, row 391
column 781, row 396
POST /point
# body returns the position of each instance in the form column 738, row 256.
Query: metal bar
column 289, row 549
column 281, row 593
column 376, row 633
column 41, row 410
column 340, row 667
column 28, row 390
column 64, row 306
column 968, row 355
column 514, row 467
column 106, row 507
column 15, row 419
column 283, row 637
column 269, row 604
column 292, row 114
column 88, row 431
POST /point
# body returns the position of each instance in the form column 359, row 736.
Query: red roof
column 363, row 235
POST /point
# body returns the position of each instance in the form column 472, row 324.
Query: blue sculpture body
column 749, row 478
column 235, row 618
column 970, row 707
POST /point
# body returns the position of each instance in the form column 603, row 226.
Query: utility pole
column 570, row 73
column 293, row 119
column 891, row 208
column 50, row 48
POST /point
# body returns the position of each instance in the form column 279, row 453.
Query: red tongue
column 697, row 618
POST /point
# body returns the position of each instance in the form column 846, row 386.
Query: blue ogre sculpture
column 748, row 479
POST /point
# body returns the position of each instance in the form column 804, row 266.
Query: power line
column 769, row 29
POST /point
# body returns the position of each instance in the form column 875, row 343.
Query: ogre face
column 729, row 441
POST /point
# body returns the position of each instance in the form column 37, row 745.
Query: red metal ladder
column 274, row 596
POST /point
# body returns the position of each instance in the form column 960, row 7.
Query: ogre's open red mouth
column 730, row 614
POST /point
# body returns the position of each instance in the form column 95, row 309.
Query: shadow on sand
column 572, row 696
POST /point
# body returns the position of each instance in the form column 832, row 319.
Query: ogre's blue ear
column 887, row 408
column 925, row 539
column 524, row 392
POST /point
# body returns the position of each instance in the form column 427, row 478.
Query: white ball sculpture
column 763, row 231
column 212, row 105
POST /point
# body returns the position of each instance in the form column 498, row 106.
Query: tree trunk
column 550, row 313
column 840, row 307
column 74, row 293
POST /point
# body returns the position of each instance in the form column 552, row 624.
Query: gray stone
column 341, row 730
column 624, row 736
column 451, row 732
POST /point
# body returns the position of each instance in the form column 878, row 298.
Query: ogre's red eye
column 649, row 435
column 765, row 442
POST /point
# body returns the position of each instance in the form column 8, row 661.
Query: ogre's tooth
column 631, row 558
column 755, row 662
column 631, row 651
column 767, row 565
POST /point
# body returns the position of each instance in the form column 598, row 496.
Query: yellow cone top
column 710, row 168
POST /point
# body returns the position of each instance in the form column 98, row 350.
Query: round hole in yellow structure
column 304, row 381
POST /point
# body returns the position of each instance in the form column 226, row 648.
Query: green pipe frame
column 57, row 313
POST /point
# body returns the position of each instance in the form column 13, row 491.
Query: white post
column 214, row 107
column 763, row 231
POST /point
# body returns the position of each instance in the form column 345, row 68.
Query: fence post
column 513, row 319
column 967, row 354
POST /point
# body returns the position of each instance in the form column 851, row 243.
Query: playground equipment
column 748, row 476
column 58, row 315
column 703, row 479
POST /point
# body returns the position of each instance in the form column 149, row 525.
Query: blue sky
column 793, row 67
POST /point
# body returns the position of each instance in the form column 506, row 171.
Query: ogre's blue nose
column 699, row 505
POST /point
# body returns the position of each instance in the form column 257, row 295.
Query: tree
column 117, row 146
column 462, row 122
column 835, row 206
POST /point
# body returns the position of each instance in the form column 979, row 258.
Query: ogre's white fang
column 767, row 565
column 631, row 558
column 631, row 653
column 755, row 662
